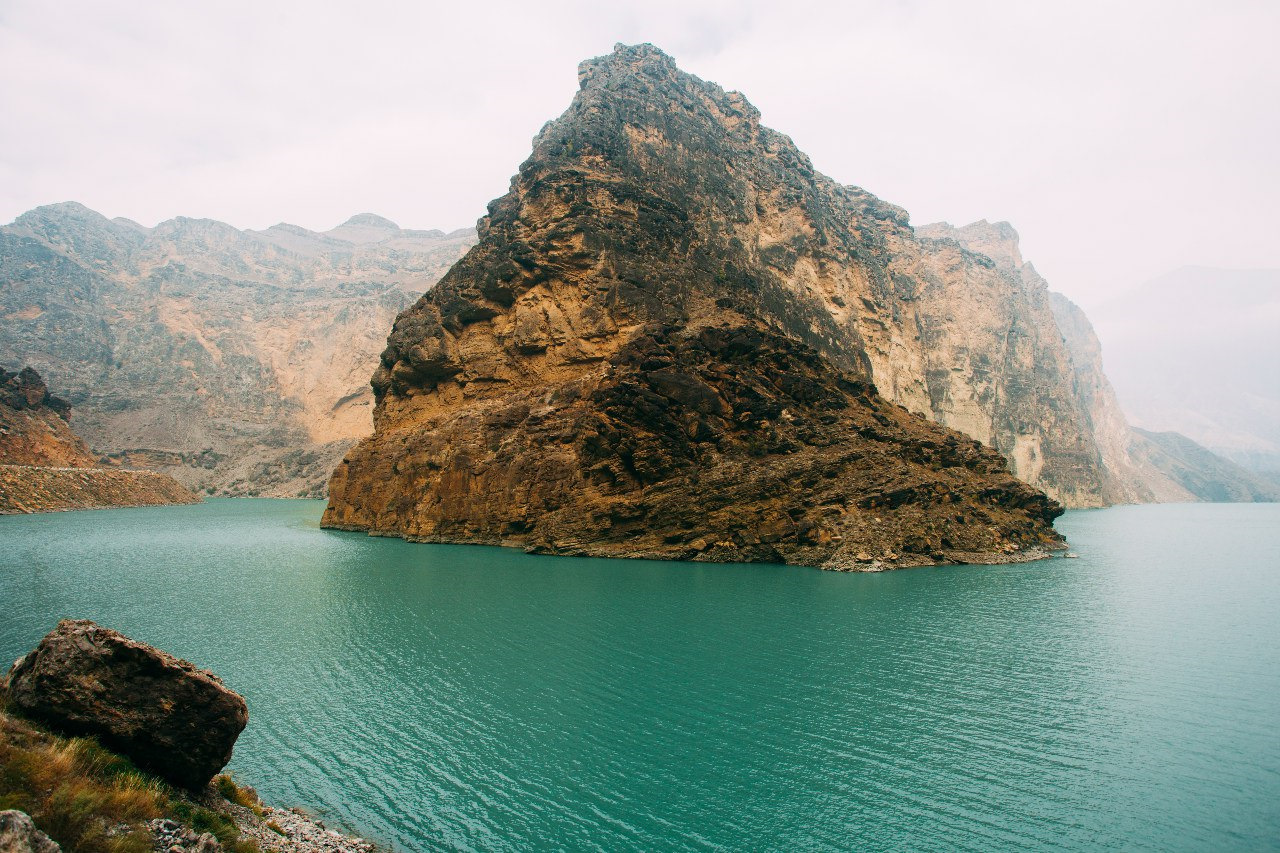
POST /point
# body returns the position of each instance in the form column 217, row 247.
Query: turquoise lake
column 451, row 697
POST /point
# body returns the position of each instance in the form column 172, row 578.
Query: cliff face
column 44, row 466
column 668, row 343
column 996, row 365
column 235, row 360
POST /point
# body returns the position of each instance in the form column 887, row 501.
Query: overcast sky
column 1123, row 140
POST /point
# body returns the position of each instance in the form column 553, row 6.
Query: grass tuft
column 74, row 789
column 90, row 800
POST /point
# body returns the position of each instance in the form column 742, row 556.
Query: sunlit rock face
column 676, row 339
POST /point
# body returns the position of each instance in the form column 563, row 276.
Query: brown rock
column 45, row 467
column 163, row 713
column 33, row 425
column 653, row 347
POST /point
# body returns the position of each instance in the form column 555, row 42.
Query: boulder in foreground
column 163, row 713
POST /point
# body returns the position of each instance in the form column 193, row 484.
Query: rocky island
column 675, row 339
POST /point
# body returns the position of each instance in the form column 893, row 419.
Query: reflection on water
column 478, row 698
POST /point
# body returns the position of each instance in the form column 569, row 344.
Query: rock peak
column 671, row 309
column 371, row 220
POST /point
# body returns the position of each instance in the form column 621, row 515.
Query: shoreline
column 869, row 566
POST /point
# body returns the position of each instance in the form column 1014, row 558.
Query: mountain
column 237, row 361
column 1205, row 475
column 1198, row 351
column 675, row 339
column 44, row 466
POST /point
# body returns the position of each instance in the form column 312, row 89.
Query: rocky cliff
column 44, row 466
column 237, row 361
column 1136, row 466
column 676, row 339
column 996, row 365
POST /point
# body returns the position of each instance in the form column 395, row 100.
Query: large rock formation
column 237, row 361
column 163, row 713
column 45, row 466
column 995, row 364
column 676, row 339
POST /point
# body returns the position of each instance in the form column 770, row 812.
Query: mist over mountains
column 1197, row 351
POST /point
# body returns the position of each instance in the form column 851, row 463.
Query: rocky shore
column 108, row 745
column 27, row 488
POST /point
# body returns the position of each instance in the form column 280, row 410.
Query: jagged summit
column 672, row 310
column 999, row 241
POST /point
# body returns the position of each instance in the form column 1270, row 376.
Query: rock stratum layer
column 235, row 361
column 44, row 466
column 676, row 339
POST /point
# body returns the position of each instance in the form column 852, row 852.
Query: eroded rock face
column 163, row 713
column 45, row 466
column 675, row 339
column 996, row 365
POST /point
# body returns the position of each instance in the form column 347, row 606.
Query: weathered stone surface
column 163, row 713
column 996, row 366
column 18, row 834
column 26, row 488
column 674, row 339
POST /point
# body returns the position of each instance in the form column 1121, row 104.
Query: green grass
column 76, row 791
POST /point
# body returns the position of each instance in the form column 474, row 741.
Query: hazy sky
column 1123, row 140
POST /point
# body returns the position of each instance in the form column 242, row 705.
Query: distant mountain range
column 236, row 361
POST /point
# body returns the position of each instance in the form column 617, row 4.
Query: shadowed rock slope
column 668, row 343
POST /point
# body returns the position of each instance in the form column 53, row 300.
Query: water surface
column 447, row 697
